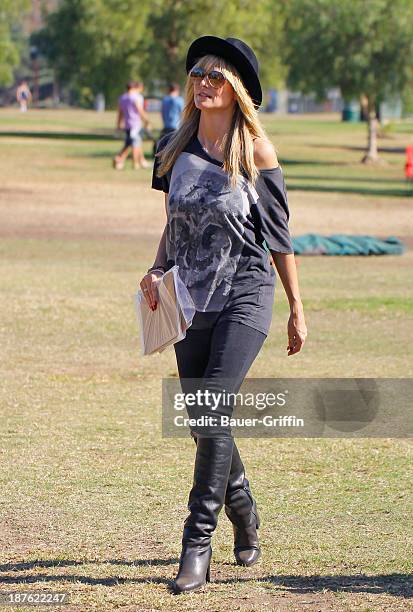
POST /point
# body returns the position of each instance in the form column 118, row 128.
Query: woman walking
column 226, row 208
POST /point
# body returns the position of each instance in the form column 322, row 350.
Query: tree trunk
column 372, row 155
column 364, row 107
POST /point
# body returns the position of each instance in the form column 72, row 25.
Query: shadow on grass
column 102, row 135
column 61, row 135
column 112, row 581
column 29, row 565
column 142, row 562
column 400, row 585
column 311, row 162
column 392, row 584
column 394, row 193
column 109, row 155
column 350, row 179
column 397, row 150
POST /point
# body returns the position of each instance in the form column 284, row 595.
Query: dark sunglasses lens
column 216, row 78
column 197, row 73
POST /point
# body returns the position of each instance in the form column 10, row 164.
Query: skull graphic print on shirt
column 205, row 231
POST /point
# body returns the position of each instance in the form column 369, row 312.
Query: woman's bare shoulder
column 265, row 156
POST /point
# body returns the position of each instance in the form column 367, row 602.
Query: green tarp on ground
column 346, row 244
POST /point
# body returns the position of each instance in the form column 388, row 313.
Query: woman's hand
column 297, row 330
column 149, row 288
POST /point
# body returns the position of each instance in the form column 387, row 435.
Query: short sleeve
column 273, row 211
column 160, row 182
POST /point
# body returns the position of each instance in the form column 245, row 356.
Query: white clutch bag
column 167, row 324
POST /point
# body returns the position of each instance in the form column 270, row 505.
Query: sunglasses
column 215, row 78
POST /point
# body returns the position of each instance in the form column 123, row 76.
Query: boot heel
column 208, row 574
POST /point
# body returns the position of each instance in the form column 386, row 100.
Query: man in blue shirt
column 172, row 106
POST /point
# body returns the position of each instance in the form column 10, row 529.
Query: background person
column 172, row 107
column 131, row 114
column 23, row 96
column 225, row 201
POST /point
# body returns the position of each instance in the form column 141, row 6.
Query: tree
column 174, row 24
column 99, row 44
column 363, row 47
column 94, row 45
column 10, row 41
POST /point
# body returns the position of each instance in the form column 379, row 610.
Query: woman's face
column 207, row 97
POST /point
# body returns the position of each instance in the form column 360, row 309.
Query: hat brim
column 218, row 46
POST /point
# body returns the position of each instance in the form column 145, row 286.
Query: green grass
column 92, row 497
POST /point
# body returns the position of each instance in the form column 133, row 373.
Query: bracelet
column 157, row 269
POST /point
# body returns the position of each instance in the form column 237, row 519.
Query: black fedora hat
column 237, row 52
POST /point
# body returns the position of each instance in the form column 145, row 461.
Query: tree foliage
column 10, row 40
column 93, row 44
column 174, row 24
column 363, row 47
column 100, row 44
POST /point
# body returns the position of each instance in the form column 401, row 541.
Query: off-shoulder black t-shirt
column 220, row 237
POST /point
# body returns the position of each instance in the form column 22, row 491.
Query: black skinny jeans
column 220, row 352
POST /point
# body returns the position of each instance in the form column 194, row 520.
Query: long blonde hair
column 245, row 126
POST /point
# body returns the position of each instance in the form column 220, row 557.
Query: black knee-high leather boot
column 241, row 509
column 207, row 496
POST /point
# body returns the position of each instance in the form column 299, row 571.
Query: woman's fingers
column 154, row 292
column 149, row 289
column 293, row 348
column 296, row 342
column 146, row 293
column 296, row 331
column 150, row 295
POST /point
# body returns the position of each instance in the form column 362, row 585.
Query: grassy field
column 92, row 499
